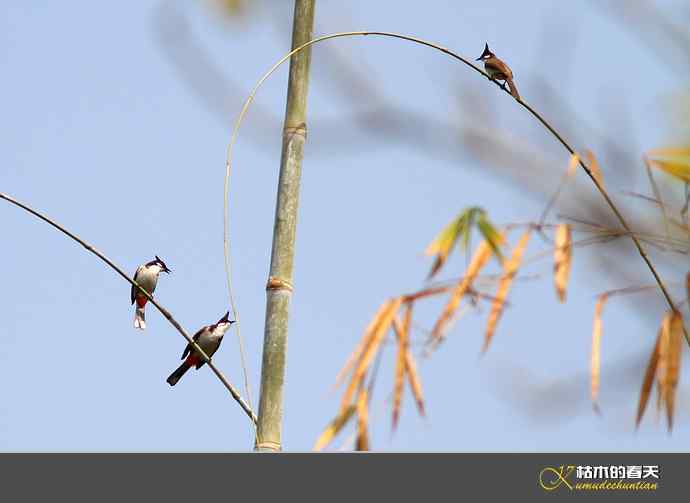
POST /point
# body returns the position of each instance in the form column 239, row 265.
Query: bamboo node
column 299, row 130
column 278, row 284
column 267, row 445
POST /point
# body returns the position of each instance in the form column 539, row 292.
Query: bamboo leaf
column 459, row 229
column 596, row 351
column 674, row 161
column 426, row 292
column 594, row 167
column 414, row 380
column 669, row 153
column 491, row 235
column 648, row 381
column 659, row 398
column 670, row 347
column 362, row 420
column 510, row 268
column 399, row 379
column 573, row 162
column 410, row 367
column 363, row 344
column 562, row 259
column 334, row 428
column 379, row 331
column 479, row 260
column 444, row 242
column 473, row 215
column 407, row 321
column 676, row 169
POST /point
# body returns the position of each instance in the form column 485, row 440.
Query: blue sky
column 103, row 99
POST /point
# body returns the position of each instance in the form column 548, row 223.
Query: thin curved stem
column 452, row 54
column 247, row 409
column 235, row 311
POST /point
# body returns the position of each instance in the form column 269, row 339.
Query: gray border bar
column 356, row 477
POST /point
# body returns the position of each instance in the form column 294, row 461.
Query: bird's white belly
column 208, row 342
column 147, row 280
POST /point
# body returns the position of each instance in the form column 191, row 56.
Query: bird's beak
column 166, row 270
column 478, row 59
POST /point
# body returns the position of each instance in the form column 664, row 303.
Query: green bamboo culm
column 279, row 286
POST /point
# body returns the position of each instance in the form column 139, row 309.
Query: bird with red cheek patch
column 208, row 339
column 146, row 276
column 498, row 70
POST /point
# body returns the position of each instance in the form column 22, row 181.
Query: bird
column 498, row 70
column 146, row 276
column 209, row 339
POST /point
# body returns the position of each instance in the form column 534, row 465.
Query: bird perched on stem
column 498, row 70
column 146, row 276
column 208, row 339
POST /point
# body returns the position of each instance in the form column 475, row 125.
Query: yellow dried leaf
column 510, row 268
column 479, row 260
column 415, row 382
column 334, row 428
column 399, row 379
column 673, row 161
column 670, row 347
column 676, row 169
column 562, row 259
column 426, row 292
column 362, row 420
column 378, row 332
column 363, row 343
column 594, row 168
column 671, row 152
column 596, row 350
column 572, row 165
column 648, row 381
column 407, row 321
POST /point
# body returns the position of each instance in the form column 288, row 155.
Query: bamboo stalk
column 279, row 286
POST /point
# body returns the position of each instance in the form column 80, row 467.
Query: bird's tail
column 179, row 372
column 139, row 318
column 513, row 89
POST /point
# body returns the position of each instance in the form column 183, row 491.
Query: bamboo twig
column 456, row 56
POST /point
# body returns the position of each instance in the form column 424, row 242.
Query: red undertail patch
column 141, row 300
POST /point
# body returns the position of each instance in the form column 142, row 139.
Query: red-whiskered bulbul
column 209, row 339
column 498, row 70
column 147, row 277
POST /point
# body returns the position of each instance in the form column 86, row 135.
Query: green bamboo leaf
column 460, row 229
column 471, row 214
column 491, row 235
column 444, row 242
